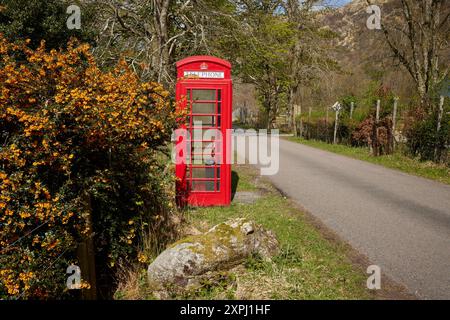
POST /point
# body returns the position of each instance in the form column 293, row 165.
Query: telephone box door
column 205, row 176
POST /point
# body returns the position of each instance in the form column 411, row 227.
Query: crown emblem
column 203, row 66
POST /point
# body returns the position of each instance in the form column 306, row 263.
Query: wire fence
column 382, row 130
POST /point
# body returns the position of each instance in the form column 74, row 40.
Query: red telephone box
column 204, row 91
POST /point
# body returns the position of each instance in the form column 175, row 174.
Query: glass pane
column 197, row 159
column 205, row 147
column 218, row 172
column 197, row 134
column 200, row 159
column 203, row 108
column 187, row 158
column 204, row 121
column 219, row 107
column 218, row 186
column 219, row 95
column 206, row 134
column 203, row 185
column 203, row 173
column 203, row 94
column 199, row 145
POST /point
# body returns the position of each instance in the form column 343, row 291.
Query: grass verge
column 396, row 161
column 308, row 267
column 312, row 263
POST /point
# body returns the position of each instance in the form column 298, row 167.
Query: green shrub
column 423, row 139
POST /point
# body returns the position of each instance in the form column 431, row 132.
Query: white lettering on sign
column 206, row 74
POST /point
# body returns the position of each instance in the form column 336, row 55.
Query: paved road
column 401, row 222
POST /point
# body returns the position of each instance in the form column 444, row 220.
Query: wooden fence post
column 438, row 129
column 376, row 147
column 294, row 121
column 309, row 123
column 326, row 123
column 336, row 127
column 301, row 121
column 378, row 111
column 394, row 119
column 352, row 105
column 86, row 255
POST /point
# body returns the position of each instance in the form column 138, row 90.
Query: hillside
column 361, row 53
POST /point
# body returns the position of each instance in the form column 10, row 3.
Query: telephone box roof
column 194, row 59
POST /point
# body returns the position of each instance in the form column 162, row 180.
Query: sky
column 339, row 3
column 335, row 3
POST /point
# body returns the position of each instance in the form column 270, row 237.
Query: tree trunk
column 161, row 8
column 419, row 41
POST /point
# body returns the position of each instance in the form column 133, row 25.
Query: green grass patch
column 308, row 267
column 396, row 161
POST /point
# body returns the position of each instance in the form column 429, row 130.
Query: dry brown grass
column 256, row 285
column 131, row 284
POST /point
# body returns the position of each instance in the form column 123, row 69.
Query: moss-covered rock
column 222, row 247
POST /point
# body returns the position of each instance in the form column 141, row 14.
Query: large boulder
column 221, row 248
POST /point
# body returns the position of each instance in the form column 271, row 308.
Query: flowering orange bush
column 68, row 129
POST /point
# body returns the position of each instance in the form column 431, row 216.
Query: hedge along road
column 400, row 222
